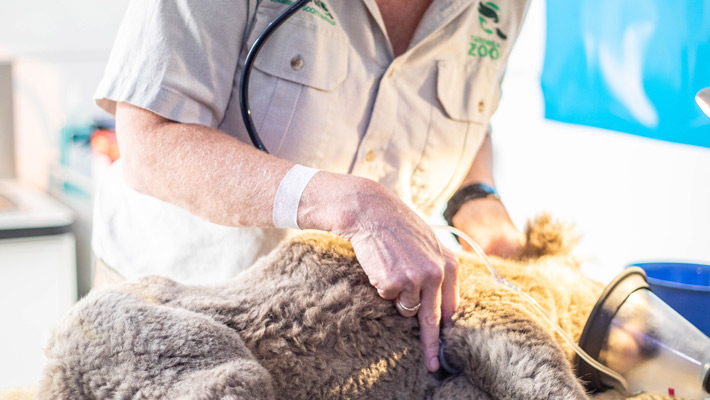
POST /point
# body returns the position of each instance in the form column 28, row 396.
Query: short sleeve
column 176, row 58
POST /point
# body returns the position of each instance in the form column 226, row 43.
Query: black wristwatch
column 469, row 192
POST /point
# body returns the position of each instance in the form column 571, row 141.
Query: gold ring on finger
column 408, row 309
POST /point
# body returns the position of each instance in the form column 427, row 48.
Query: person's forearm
column 485, row 219
column 481, row 170
column 477, row 212
column 213, row 175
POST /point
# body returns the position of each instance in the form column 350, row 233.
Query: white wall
column 58, row 50
column 633, row 198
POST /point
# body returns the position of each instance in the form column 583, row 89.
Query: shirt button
column 297, row 63
column 370, row 156
column 481, row 106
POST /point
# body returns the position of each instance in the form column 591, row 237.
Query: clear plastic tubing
column 499, row 279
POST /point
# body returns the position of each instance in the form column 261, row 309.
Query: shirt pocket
column 294, row 80
column 468, row 92
column 466, row 96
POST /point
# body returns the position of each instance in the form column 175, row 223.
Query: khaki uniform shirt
column 326, row 91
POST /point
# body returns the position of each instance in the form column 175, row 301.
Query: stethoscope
column 249, row 64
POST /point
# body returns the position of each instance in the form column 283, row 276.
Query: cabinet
column 38, row 283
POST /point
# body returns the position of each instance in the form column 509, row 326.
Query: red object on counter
column 104, row 142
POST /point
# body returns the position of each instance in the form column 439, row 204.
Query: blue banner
column 632, row 66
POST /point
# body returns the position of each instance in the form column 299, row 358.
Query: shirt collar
column 440, row 13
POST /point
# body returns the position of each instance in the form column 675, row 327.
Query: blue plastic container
column 683, row 286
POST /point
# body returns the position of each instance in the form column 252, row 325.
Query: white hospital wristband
column 289, row 194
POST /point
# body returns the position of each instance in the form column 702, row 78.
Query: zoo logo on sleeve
column 320, row 9
column 488, row 18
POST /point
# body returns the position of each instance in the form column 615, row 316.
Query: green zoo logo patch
column 481, row 47
column 488, row 18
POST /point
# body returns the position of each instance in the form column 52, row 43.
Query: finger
column 409, row 299
column 388, row 289
column 387, row 294
column 450, row 291
column 429, row 319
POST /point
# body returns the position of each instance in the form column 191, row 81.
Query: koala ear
column 546, row 237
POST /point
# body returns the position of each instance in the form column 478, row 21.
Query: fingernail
column 434, row 364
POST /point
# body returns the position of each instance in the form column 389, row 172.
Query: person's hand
column 487, row 222
column 404, row 261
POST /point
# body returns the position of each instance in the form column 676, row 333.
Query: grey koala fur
column 304, row 323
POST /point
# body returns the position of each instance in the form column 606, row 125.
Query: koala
column 304, row 323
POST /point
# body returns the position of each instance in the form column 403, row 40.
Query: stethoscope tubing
column 249, row 64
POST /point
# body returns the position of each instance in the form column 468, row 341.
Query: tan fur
column 304, row 323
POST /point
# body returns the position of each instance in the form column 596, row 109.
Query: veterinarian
column 375, row 112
